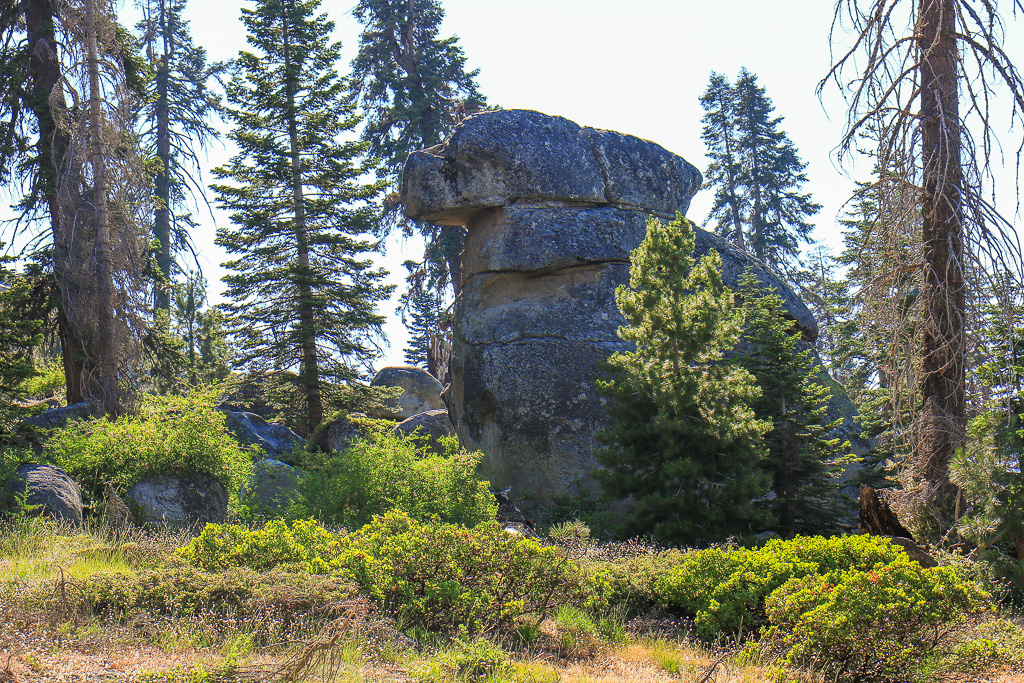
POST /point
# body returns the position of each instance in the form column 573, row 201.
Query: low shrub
column 434, row 576
column 169, row 434
column 876, row 625
column 176, row 588
column 302, row 544
column 385, row 471
column 724, row 589
column 445, row 576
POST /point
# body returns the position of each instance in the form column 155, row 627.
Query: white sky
column 637, row 67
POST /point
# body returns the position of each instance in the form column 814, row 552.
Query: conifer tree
column 19, row 334
column 413, row 87
column 422, row 321
column 303, row 290
column 68, row 76
column 756, row 173
column 176, row 123
column 684, row 442
column 803, row 462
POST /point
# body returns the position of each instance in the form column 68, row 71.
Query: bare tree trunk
column 309, row 369
column 941, row 430
column 45, row 73
column 162, row 182
column 106, row 383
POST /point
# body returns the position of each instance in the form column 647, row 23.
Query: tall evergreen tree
column 803, row 462
column 19, row 333
column 67, row 73
column 176, row 123
column 303, row 290
column 756, row 172
column 684, row 442
column 413, row 87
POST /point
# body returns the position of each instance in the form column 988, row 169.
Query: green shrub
column 724, row 589
column 385, row 472
column 303, row 543
column 432, row 575
column 169, row 434
column 876, row 625
column 444, row 576
column 48, row 382
column 176, row 588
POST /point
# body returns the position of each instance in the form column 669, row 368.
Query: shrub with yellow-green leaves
column 874, row 625
column 431, row 575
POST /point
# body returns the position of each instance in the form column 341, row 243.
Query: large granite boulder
column 427, row 429
column 249, row 429
column 180, row 500
column 552, row 212
column 273, row 486
column 48, row 487
column 420, row 392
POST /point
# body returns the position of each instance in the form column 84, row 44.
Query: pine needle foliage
column 684, row 442
column 803, row 462
column 755, row 171
column 302, row 290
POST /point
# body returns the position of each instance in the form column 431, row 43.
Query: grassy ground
column 306, row 630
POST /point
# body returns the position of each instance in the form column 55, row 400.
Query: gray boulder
column 552, row 212
column 277, row 441
column 343, row 432
column 274, row 485
column 49, row 487
column 420, row 392
column 180, row 500
column 427, row 429
column 60, row 417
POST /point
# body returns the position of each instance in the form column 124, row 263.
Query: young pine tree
column 803, row 462
column 684, row 442
column 303, row 290
column 755, row 171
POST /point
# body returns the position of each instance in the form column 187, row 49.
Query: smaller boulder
column 50, row 488
column 180, row 500
column 344, row 432
column 274, row 485
column 427, row 428
column 60, row 417
column 277, row 441
column 420, row 392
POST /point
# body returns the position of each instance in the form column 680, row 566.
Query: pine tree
column 424, row 316
column 176, row 122
column 303, row 290
column 684, row 442
column 803, row 462
column 68, row 75
column 19, row 333
column 756, row 172
column 725, row 170
column 413, row 87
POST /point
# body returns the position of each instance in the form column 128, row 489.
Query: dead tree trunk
column 941, row 426
column 106, row 346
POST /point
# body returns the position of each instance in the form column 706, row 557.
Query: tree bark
column 309, row 369
column 106, row 381
column 941, row 430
